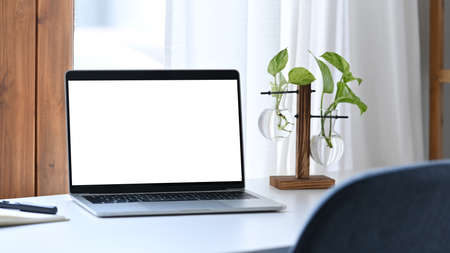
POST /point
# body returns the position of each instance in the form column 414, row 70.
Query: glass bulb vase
column 327, row 147
column 276, row 123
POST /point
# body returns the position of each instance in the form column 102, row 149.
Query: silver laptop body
column 157, row 142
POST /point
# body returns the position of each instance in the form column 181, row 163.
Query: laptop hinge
column 235, row 189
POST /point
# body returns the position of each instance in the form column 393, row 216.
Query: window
column 117, row 34
column 183, row 34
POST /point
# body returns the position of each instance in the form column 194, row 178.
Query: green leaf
column 283, row 80
column 328, row 84
column 345, row 95
column 337, row 61
column 278, row 62
column 348, row 77
column 342, row 65
column 300, row 76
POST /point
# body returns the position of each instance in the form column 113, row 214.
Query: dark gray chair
column 406, row 209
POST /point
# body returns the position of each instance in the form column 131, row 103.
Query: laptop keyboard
column 155, row 197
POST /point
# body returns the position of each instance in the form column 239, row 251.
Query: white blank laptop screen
column 154, row 131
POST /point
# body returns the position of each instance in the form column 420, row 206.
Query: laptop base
column 259, row 204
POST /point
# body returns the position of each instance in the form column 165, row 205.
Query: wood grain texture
column 294, row 183
column 54, row 58
column 303, row 131
column 17, row 97
column 444, row 76
column 302, row 179
column 436, row 64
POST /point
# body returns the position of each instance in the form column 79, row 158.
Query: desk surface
column 189, row 233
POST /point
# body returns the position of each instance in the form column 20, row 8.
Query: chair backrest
column 405, row 209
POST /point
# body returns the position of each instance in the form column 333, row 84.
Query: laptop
column 157, row 142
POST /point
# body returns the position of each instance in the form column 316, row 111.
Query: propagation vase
column 327, row 147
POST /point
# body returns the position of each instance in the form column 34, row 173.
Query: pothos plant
column 302, row 76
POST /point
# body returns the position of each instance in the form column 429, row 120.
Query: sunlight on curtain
column 385, row 50
column 195, row 34
column 116, row 34
column 236, row 34
column 380, row 39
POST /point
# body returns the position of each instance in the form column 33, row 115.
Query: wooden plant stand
column 302, row 178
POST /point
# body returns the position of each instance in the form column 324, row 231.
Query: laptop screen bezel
column 102, row 75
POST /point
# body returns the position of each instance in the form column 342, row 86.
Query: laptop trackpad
column 180, row 206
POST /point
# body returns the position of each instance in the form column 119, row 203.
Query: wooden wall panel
column 54, row 58
column 17, row 97
column 436, row 64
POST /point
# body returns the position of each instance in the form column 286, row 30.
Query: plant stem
column 327, row 138
column 322, row 123
column 283, row 121
column 322, row 119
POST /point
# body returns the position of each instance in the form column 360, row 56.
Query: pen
column 29, row 207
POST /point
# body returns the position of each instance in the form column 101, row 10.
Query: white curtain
column 318, row 26
column 384, row 43
column 381, row 41
column 237, row 34
column 379, row 38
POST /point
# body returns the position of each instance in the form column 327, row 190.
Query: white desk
column 190, row 233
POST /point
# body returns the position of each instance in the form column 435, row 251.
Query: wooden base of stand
column 294, row 183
